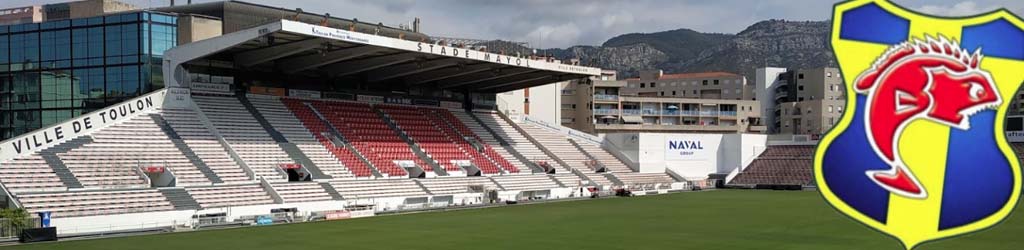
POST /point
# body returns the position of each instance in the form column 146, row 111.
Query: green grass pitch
column 740, row 219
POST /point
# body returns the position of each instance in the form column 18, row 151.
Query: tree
column 13, row 220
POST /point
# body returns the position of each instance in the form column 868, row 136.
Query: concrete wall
column 627, row 143
column 767, row 79
column 696, row 155
column 91, row 8
column 196, row 28
column 543, row 101
column 136, row 221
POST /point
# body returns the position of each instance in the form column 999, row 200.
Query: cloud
column 959, row 9
column 563, row 23
column 566, row 33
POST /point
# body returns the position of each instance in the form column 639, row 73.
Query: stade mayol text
column 455, row 52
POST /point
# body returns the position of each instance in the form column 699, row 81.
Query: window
column 673, row 93
column 695, row 92
column 800, row 88
column 662, row 93
column 716, row 81
column 55, row 49
column 91, row 82
column 839, row 109
column 801, row 76
column 705, row 83
column 830, row 108
column 829, row 74
column 643, row 85
column 831, row 87
column 654, row 85
column 831, row 121
column 24, row 51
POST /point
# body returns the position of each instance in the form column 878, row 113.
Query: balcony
column 603, row 97
column 606, row 112
column 568, row 92
column 781, row 95
column 651, row 112
column 667, row 128
column 757, row 128
column 708, row 113
column 631, row 112
column 727, row 113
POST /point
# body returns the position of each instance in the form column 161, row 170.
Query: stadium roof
column 301, row 49
column 692, row 75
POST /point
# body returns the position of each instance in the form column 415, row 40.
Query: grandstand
column 317, row 119
column 780, row 165
column 353, row 151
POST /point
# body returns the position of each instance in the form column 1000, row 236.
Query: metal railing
column 10, row 228
column 604, row 97
column 606, row 111
column 631, row 111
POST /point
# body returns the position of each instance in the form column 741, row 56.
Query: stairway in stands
column 369, row 135
column 58, row 166
column 519, row 142
column 440, row 168
column 200, row 139
column 289, row 148
column 498, row 144
column 592, row 161
column 457, row 131
column 250, row 141
column 185, row 149
column 180, row 198
column 330, row 139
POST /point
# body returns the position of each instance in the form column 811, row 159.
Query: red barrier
column 290, row 166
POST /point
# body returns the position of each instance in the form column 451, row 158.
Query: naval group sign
column 56, row 134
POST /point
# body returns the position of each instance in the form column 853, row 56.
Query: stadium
column 232, row 124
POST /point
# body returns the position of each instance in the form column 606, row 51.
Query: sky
column 564, row 23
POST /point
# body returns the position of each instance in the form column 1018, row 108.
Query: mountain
column 776, row 43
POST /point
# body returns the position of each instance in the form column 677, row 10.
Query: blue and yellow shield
column 920, row 153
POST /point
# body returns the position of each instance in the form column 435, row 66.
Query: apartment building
column 705, row 85
column 606, row 105
column 801, row 101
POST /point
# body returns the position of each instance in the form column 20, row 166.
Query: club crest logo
column 920, row 153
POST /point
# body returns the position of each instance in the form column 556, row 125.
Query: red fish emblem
column 934, row 80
